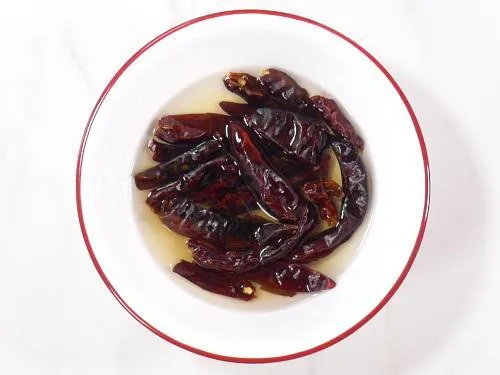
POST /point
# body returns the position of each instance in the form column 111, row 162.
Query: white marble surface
column 56, row 316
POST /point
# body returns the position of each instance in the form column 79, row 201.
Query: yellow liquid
column 169, row 247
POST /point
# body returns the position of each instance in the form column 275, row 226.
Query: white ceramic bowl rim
column 392, row 290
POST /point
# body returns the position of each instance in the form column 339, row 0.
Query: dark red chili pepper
column 336, row 120
column 322, row 190
column 281, row 245
column 354, row 177
column 213, row 191
column 249, row 88
column 232, row 202
column 185, row 217
column 293, row 170
column 272, row 189
column 309, row 219
column 274, row 241
column 216, row 189
column 236, row 202
column 302, row 137
column 168, row 171
column 277, row 291
column 321, row 193
column 289, row 277
column 274, row 250
column 299, row 176
column 227, row 193
column 163, row 152
column 213, row 257
column 225, row 284
column 326, row 242
column 190, row 127
column 287, row 165
column 237, row 109
column 186, row 182
column 282, row 86
column 273, row 235
column 354, row 207
column 328, row 212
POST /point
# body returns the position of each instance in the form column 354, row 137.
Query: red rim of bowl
column 343, row 335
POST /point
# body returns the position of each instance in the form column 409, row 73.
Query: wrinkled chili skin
column 274, row 250
column 274, row 241
column 354, row 207
column 322, row 189
column 283, row 87
column 294, row 278
column 272, row 189
column 279, row 248
column 309, row 219
column 334, row 117
column 209, row 256
column 162, row 152
column 237, row 110
column 272, row 234
column 228, row 201
column 185, row 217
column 228, row 193
column 215, row 190
column 328, row 212
column 236, row 202
column 299, row 173
column 168, row 171
column 299, row 136
column 327, row 241
column 186, row 182
column 250, row 89
column 193, row 127
column 321, row 193
column 354, row 177
column 287, row 165
column 216, row 282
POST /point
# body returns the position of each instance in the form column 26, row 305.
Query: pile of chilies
column 214, row 170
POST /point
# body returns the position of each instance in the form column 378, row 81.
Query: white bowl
column 395, row 154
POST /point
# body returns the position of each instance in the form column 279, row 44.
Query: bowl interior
column 394, row 158
column 201, row 97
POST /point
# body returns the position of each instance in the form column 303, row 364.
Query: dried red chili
column 249, row 88
column 186, row 182
column 334, row 117
column 354, row 207
column 300, row 136
column 322, row 193
column 272, row 189
column 162, row 152
column 236, row 202
column 225, row 284
column 168, row 171
column 185, row 217
column 274, row 241
column 283, row 87
column 216, row 258
column 190, row 127
column 292, row 278
column 237, row 109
